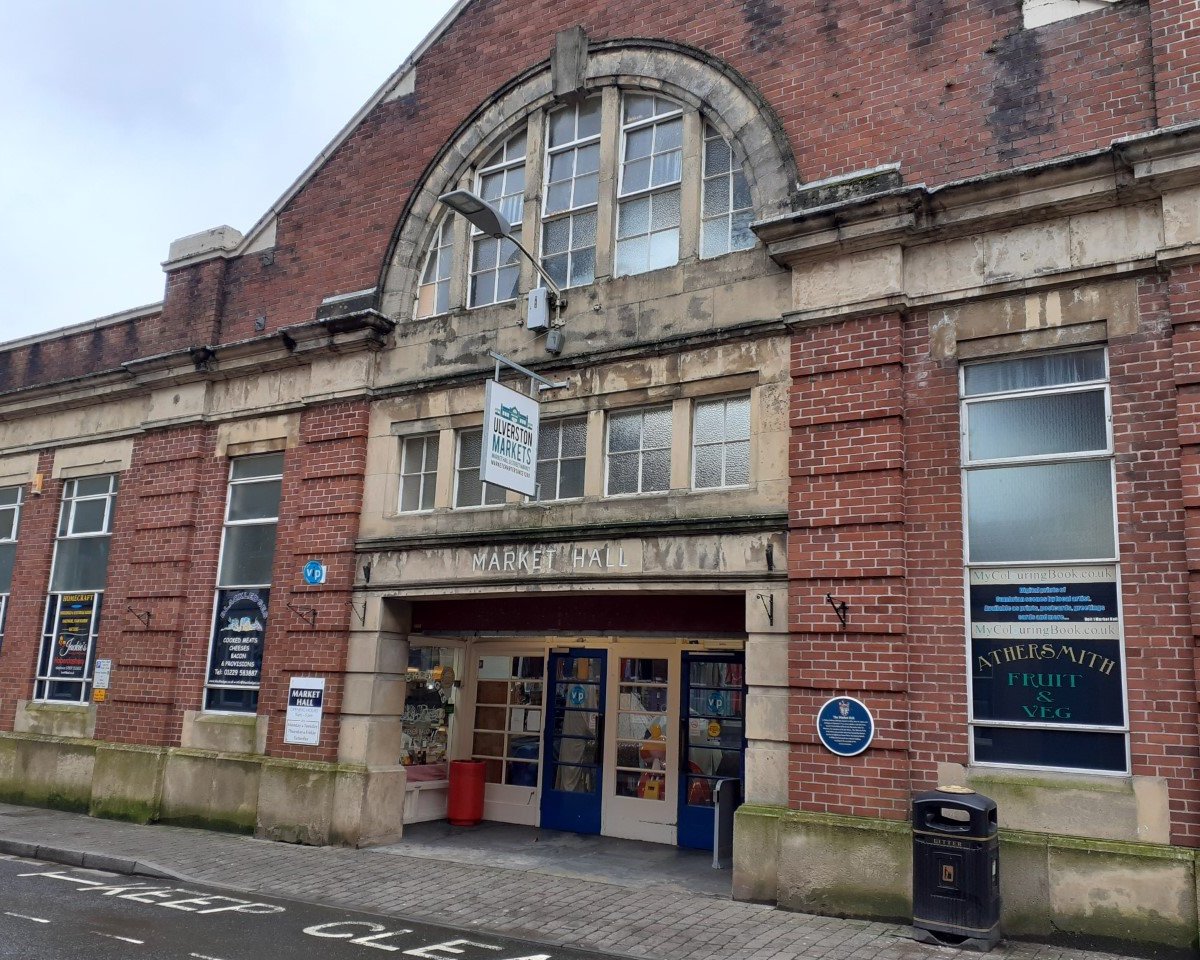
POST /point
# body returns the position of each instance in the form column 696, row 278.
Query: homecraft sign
column 510, row 439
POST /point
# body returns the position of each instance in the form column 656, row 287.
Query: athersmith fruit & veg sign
column 510, row 439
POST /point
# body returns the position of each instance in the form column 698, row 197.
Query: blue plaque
column 314, row 573
column 845, row 726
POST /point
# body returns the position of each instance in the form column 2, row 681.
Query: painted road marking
column 203, row 956
column 22, row 916
column 113, row 936
column 174, row 898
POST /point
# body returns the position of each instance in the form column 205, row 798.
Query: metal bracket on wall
column 840, row 607
column 307, row 614
column 768, row 602
column 143, row 616
column 361, row 614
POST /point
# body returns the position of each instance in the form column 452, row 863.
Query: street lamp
column 489, row 221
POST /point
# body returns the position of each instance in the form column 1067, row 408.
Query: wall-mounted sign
column 1045, row 645
column 510, row 439
column 72, row 636
column 306, row 703
column 845, row 726
column 238, row 637
column 102, row 674
column 314, row 573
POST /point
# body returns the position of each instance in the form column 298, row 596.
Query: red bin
column 465, row 806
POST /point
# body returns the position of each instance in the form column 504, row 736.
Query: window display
column 428, row 710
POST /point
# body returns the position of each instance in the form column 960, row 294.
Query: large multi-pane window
column 77, row 580
column 1047, row 679
column 571, row 193
column 508, row 719
column 726, row 208
column 639, row 451
column 469, row 490
column 244, row 582
column 433, row 294
column 562, row 446
column 418, row 472
column 10, row 524
column 495, row 261
column 721, row 443
column 651, row 170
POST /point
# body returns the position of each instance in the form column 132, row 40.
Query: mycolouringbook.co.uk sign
column 510, row 439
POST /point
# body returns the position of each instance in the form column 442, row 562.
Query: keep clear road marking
column 113, row 936
column 203, row 956
column 21, row 916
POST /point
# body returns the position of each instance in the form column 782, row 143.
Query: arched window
column 572, row 190
column 726, row 207
column 495, row 263
column 433, row 295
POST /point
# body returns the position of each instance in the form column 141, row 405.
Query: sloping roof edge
column 379, row 96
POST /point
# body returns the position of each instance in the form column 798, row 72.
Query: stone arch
column 685, row 74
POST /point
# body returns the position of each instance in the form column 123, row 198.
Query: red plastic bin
column 465, row 806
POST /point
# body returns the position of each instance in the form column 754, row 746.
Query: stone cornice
column 290, row 347
column 1130, row 170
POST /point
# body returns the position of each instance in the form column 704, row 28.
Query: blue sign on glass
column 845, row 726
column 577, row 695
column 314, row 573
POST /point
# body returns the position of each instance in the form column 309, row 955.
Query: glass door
column 714, row 739
column 640, row 794
column 571, row 785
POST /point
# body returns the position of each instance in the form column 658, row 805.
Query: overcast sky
column 126, row 124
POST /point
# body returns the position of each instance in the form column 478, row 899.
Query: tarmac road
column 52, row 912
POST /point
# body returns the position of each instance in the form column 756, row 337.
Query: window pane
column 562, row 127
column 631, row 256
column 656, row 470
column 737, row 463
column 742, row 237
column 589, row 118
column 570, row 482
column 623, row 473
column 547, row 480
column 80, row 564
column 737, row 418
column 636, row 176
column 668, row 168
column 583, row 230
column 583, row 267
column 624, row 431
column 92, row 486
column 410, row 493
column 664, row 250
column 88, row 516
column 714, row 238
column 1029, row 426
column 255, row 501
column 639, row 143
column 10, row 496
column 657, row 429
column 1026, row 373
column 1057, row 511
column 708, row 466
column 716, row 196
column 247, row 468
column 741, row 192
column 634, row 217
column 716, row 154
column 470, row 489
column 8, row 556
column 249, row 551
column 1076, row 749
column 574, row 437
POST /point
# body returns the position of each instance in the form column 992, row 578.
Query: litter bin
column 956, row 868
column 465, row 803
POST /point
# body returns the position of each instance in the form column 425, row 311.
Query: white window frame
column 66, row 519
column 697, row 443
column 652, row 190
column 736, row 169
column 558, row 460
column 226, row 523
column 426, row 478
column 570, row 213
column 968, row 464
column 641, row 451
column 503, row 166
column 441, row 244
column 460, row 469
column 13, row 539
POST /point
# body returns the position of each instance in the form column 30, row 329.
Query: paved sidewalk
column 668, row 924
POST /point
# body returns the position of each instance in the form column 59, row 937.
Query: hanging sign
column 510, row 439
column 72, row 635
column 306, row 703
column 845, row 726
column 238, row 637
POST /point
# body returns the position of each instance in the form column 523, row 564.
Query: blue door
column 712, row 740
column 574, row 750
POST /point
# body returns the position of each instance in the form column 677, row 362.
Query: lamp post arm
column 558, row 294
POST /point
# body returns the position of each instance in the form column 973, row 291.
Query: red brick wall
column 876, row 518
column 1176, row 40
column 165, row 546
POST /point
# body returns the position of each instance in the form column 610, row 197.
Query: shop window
column 571, row 192
column 721, row 443
column 650, row 175
column 495, row 262
column 77, row 580
column 1047, row 676
column 469, row 490
column 10, row 523
column 244, row 583
column 508, row 718
column 642, row 729
column 428, row 712
column 562, row 445
column 418, row 472
column 433, row 295
column 639, row 451
column 726, row 207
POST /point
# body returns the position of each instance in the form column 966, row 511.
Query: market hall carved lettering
column 564, row 559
